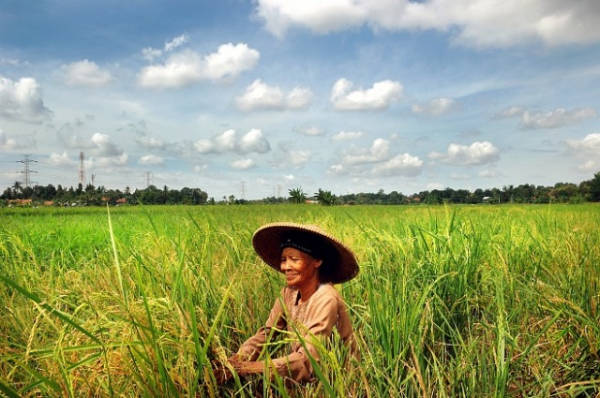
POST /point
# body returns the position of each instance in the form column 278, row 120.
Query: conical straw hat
column 339, row 262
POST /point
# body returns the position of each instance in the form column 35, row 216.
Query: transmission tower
column 243, row 190
column 81, row 169
column 26, row 170
column 148, row 176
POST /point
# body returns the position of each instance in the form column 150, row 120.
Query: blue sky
column 253, row 98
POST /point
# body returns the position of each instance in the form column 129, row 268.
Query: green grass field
column 459, row 301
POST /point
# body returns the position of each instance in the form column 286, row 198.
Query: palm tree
column 297, row 195
column 17, row 189
column 326, row 198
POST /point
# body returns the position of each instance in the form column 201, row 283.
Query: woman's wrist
column 248, row 367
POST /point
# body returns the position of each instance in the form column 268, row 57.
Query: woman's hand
column 223, row 372
column 249, row 367
column 245, row 367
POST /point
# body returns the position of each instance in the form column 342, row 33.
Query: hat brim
column 267, row 241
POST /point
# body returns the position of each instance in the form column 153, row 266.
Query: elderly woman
column 311, row 261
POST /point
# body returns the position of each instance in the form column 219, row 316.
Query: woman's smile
column 300, row 268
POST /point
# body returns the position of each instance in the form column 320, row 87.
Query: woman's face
column 299, row 268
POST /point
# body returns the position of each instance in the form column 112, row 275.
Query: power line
column 49, row 175
column 66, row 168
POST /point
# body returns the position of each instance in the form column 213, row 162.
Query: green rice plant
column 451, row 301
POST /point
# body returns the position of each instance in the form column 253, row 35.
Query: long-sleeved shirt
column 316, row 317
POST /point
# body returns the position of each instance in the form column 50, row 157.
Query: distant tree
column 174, row 197
column 434, row 197
column 27, row 193
column 524, row 193
column 594, row 188
column 326, row 198
column 563, row 192
column 460, row 196
column 297, row 195
column 507, row 194
column 495, row 195
column 380, row 197
column 60, row 193
column 49, row 192
column 477, row 196
column 7, row 194
column 542, row 194
column 199, row 197
column 17, row 189
column 396, row 198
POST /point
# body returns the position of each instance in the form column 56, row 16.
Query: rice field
column 451, row 301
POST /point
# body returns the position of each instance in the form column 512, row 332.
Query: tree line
column 586, row 191
column 95, row 196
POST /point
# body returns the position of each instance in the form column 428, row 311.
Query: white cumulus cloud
column 187, row 67
column 228, row 141
column 337, row 169
column 103, row 147
column 9, row 143
column 437, row 106
column 590, row 166
column 85, row 73
column 242, row 164
column 379, row 97
column 61, row 160
column 476, row 154
column 110, row 161
column 347, row 135
column 152, row 160
column 260, row 96
column 176, row 42
column 556, row 118
column 298, row 157
column 149, row 142
column 312, row 131
column 590, row 144
column 378, row 152
column 151, row 54
column 22, row 100
column 513, row 111
column 400, row 165
column 474, row 23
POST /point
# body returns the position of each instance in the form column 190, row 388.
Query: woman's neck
column 308, row 289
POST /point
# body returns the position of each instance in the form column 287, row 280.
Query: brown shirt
column 323, row 311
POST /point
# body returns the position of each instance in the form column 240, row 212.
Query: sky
column 252, row 98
